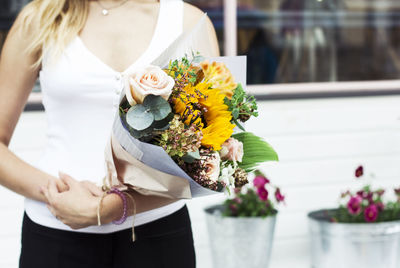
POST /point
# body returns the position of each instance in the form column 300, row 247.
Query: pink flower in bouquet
column 212, row 163
column 354, row 205
column 278, row 195
column 151, row 80
column 260, row 181
column 371, row 213
column 232, row 150
column 262, row 193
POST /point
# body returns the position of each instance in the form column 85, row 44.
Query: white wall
column 320, row 142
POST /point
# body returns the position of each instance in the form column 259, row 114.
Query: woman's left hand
column 76, row 207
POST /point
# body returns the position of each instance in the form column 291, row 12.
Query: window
column 296, row 41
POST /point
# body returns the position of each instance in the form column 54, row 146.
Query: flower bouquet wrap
column 174, row 134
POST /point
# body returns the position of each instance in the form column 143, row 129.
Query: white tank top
column 80, row 96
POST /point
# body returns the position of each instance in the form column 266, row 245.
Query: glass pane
column 289, row 41
column 319, row 40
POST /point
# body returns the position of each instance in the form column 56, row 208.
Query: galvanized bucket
column 239, row 242
column 345, row 245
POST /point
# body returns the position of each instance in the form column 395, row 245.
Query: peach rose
column 213, row 166
column 150, row 80
column 232, row 150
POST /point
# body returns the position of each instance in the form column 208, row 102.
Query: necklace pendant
column 105, row 12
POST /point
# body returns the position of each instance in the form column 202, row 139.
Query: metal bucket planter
column 345, row 245
column 239, row 242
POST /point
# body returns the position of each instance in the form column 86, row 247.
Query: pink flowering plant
column 260, row 200
column 367, row 205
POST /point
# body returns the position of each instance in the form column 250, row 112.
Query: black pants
column 167, row 242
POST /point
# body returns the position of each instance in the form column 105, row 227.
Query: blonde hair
column 56, row 23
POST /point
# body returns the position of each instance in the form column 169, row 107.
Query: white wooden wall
column 320, row 142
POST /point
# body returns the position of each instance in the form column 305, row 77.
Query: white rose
column 232, row 150
column 151, row 80
column 213, row 163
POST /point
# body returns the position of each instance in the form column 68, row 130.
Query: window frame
column 302, row 90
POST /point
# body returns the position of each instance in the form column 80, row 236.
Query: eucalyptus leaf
column 139, row 117
column 190, row 157
column 159, row 107
column 163, row 124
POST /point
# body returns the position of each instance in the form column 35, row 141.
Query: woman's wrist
column 112, row 209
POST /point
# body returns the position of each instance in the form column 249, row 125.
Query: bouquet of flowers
column 367, row 205
column 255, row 201
column 188, row 110
column 174, row 134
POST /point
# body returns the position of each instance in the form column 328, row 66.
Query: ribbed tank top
column 80, row 96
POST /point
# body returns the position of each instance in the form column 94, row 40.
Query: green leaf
column 139, row 117
column 235, row 113
column 238, row 124
column 255, row 151
column 159, row 107
column 190, row 157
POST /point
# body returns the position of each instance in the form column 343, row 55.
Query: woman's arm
column 17, row 79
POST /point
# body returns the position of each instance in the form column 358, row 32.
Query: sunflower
column 220, row 77
column 205, row 107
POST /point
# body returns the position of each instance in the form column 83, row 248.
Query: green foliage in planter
column 254, row 202
column 367, row 205
column 248, row 205
column 390, row 213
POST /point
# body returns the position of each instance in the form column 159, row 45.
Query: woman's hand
column 75, row 207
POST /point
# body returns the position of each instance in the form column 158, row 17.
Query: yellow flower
column 220, row 77
column 208, row 111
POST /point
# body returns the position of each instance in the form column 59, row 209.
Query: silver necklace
column 106, row 10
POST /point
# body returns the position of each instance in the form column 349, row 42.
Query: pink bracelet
column 125, row 203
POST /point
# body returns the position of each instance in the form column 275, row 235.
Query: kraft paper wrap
column 126, row 171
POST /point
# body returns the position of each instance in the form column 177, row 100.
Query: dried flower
column 354, row 205
column 371, row 213
column 179, row 139
column 200, row 171
column 240, row 178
